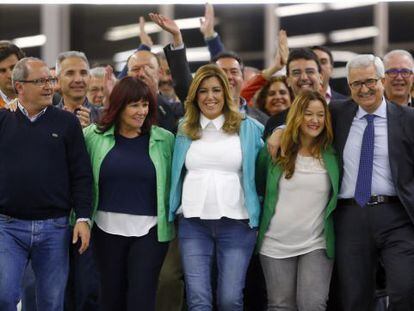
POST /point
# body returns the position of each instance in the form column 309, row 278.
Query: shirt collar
column 380, row 112
column 85, row 103
column 328, row 94
column 217, row 122
column 6, row 99
column 24, row 111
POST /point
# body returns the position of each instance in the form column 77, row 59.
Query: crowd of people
column 156, row 189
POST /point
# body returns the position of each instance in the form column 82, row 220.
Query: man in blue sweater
column 44, row 173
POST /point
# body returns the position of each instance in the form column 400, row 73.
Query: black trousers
column 82, row 288
column 364, row 236
column 129, row 268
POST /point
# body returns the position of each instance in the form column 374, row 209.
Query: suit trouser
column 365, row 235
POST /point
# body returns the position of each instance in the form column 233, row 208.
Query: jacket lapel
column 343, row 124
column 395, row 133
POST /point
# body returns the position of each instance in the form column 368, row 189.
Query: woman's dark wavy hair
column 262, row 95
column 126, row 91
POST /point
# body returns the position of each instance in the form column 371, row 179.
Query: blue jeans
column 29, row 290
column 228, row 241
column 46, row 244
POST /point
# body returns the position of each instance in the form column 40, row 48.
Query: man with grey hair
column 96, row 89
column 375, row 212
column 399, row 77
column 72, row 71
column 45, row 172
column 374, row 217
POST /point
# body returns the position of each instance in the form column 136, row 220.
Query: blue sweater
column 126, row 168
column 45, row 169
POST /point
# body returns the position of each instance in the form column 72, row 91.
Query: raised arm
column 211, row 37
column 176, row 56
column 259, row 80
column 145, row 44
column 280, row 57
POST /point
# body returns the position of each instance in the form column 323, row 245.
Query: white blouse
column 297, row 226
column 212, row 187
column 125, row 224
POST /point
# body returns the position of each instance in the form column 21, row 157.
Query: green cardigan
column 267, row 180
column 161, row 146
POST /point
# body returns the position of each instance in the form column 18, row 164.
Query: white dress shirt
column 212, row 186
column 382, row 183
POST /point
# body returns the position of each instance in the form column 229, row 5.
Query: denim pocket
column 61, row 222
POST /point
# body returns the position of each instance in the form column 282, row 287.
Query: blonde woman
column 213, row 189
column 296, row 237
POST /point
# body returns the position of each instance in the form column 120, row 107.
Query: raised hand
column 283, row 48
column 207, row 23
column 168, row 25
column 143, row 36
column 281, row 56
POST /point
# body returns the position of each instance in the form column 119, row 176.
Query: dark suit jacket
column 337, row 96
column 166, row 116
column 400, row 145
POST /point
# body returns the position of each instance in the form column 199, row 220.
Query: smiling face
column 35, row 97
column 369, row 98
column 74, row 78
column 232, row 69
column 133, row 116
column 313, row 121
column 210, row 97
column 278, row 98
column 398, row 87
column 303, row 75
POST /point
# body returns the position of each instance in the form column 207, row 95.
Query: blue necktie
column 364, row 180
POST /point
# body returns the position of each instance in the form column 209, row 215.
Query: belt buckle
column 373, row 203
column 378, row 200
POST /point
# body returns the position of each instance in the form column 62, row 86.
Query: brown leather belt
column 374, row 200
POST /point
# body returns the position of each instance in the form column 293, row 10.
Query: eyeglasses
column 308, row 71
column 393, row 72
column 41, row 81
column 369, row 83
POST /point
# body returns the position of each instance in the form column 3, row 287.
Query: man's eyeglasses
column 404, row 72
column 41, row 81
column 308, row 71
column 369, row 83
